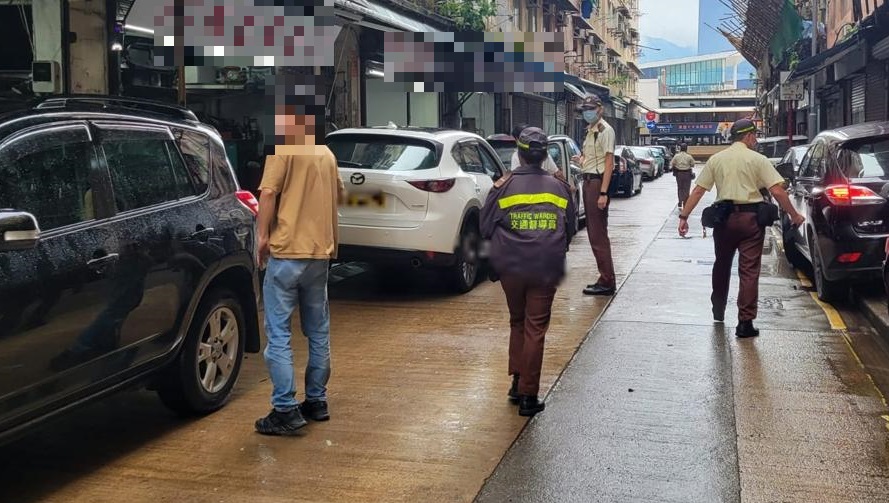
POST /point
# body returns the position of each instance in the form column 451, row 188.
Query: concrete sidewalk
column 661, row 404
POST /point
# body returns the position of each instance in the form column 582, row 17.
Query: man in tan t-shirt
column 738, row 173
column 297, row 234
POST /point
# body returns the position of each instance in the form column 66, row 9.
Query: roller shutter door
column 859, row 89
column 876, row 101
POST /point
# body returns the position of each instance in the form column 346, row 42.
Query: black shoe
column 746, row 329
column 719, row 314
column 598, row 290
column 316, row 411
column 530, row 405
column 281, row 423
column 514, row 390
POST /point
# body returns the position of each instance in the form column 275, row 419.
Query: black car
column 126, row 256
column 841, row 189
column 627, row 177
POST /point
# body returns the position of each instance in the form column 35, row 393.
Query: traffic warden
column 528, row 218
column 548, row 164
column 739, row 218
column 597, row 165
column 683, row 169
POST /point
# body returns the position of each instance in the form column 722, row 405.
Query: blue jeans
column 290, row 284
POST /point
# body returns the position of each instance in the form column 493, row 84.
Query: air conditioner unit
column 601, row 49
column 591, row 40
column 46, row 77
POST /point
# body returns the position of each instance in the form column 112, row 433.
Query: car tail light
column 645, row 161
column 849, row 258
column 886, row 246
column 248, row 200
column 434, row 185
column 851, row 195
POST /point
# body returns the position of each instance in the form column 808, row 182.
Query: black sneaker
column 745, row 329
column 316, row 411
column 514, row 389
column 281, row 423
column 530, row 405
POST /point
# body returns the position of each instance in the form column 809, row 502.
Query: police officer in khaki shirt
column 683, row 165
column 739, row 172
column 597, row 164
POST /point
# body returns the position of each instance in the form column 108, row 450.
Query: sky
column 674, row 21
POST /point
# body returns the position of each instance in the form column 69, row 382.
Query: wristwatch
column 682, row 217
column 603, row 193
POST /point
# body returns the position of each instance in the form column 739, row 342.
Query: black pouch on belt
column 766, row 214
column 716, row 214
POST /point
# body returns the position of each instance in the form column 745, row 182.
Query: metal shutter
column 859, row 88
column 561, row 117
column 520, row 110
column 877, row 98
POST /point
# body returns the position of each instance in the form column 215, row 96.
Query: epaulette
column 503, row 179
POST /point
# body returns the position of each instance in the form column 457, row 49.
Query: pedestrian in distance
column 528, row 219
column 683, row 165
column 739, row 219
column 297, row 238
column 597, row 166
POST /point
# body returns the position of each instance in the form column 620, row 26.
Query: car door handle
column 101, row 262
column 202, row 233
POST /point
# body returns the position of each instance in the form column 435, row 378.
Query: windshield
column 866, row 160
column 641, row 152
column 505, row 154
column 381, row 152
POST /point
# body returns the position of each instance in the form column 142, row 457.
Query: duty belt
column 591, row 176
column 747, row 208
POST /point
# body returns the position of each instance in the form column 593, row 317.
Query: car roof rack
column 118, row 103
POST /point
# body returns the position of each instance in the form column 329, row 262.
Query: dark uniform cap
column 532, row 138
column 742, row 126
column 589, row 103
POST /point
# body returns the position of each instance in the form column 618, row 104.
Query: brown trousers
column 743, row 234
column 530, row 306
column 683, row 184
column 597, row 232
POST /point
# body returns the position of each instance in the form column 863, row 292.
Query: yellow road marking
column 803, row 280
column 833, row 316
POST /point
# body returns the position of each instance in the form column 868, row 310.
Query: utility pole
column 179, row 49
column 813, row 111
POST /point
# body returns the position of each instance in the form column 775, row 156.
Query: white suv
column 414, row 197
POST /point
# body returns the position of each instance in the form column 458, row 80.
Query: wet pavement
column 657, row 405
column 662, row 404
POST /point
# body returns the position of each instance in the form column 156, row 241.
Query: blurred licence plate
column 372, row 200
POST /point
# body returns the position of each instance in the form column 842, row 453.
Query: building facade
column 699, row 97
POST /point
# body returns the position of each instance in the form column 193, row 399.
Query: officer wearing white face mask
column 597, row 165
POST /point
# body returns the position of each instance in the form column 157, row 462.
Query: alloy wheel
column 218, row 349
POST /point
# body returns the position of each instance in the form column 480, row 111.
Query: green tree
column 468, row 15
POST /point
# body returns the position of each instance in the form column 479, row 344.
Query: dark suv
column 126, row 255
column 841, row 189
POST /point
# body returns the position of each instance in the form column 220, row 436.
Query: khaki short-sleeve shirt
column 599, row 141
column 683, row 161
column 308, row 185
column 739, row 173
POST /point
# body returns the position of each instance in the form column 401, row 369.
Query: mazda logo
column 357, row 179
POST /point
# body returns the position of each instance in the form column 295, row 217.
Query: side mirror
column 18, row 230
column 785, row 169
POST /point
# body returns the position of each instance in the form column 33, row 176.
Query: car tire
column 464, row 273
column 191, row 386
column 639, row 190
column 827, row 290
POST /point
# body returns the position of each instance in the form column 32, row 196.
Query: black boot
column 530, row 405
column 514, row 389
column 746, row 329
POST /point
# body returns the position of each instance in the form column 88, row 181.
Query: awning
column 378, row 16
column 568, row 5
column 819, row 61
column 574, row 89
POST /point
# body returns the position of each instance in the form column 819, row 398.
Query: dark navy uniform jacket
column 529, row 218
